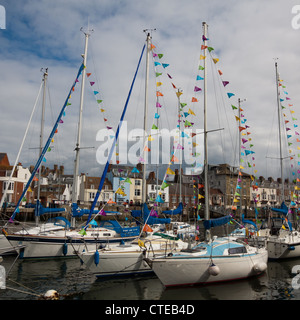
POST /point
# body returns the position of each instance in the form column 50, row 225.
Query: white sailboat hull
column 55, row 246
column 5, row 246
column 128, row 259
column 120, row 263
column 179, row 271
column 284, row 247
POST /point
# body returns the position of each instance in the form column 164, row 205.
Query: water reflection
column 74, row 281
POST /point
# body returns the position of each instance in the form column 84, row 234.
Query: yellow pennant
column 191, row 112
column 169, row 171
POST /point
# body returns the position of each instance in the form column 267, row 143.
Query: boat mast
column 148, row 44
column 180, row 142
column 279, row 128
column 75, row 191
column 206, row 187
column 41, row 147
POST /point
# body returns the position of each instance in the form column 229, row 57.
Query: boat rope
column 25, row 292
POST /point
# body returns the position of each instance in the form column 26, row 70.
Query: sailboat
column 5, row 246
column 64, row 239
column 216, row 259
column 282, row 242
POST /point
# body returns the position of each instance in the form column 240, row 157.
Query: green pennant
column 99, row 101
column 158, row 74
column 164, row 185
column 201, row 68
column 154, row 127
column 233, row 107
column 160, row 55
column 183, row 104
column 210, row 49
column 128, row 180
column 82, row 232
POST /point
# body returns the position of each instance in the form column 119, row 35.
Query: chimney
column 151, row 175
column 62, row 170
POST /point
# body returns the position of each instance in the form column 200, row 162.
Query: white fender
column 260, row 267
column 213, row 270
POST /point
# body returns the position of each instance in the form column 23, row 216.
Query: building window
column 137, row 192
column 92, row 195
column 10, row 187
column 137, row 182
column 174, row 199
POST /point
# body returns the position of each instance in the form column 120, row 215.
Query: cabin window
column 106, row 234
column 237, row 250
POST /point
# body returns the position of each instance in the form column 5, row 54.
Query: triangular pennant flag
column 159, row 199
column 169, row 171
column 174, row 159
column 191, row 112
column 215, row 60
column 164, row 185
column 229, row 94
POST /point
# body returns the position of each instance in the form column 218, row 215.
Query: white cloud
column 246, row 37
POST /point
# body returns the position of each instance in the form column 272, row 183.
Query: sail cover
column 147, row 218
column 283, row 209
column 216, row 222
column 178, row 210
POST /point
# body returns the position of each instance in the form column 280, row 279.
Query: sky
column 247, row 37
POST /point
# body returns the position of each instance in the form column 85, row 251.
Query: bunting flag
column 292, row 140
column 99, row 101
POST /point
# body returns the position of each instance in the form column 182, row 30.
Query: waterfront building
column 19, row 179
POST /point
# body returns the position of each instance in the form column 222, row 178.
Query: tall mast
column 279, row 127
column 148, row 40
column 75, row 191
column 206, row 187
column 41, row 146
column 180, row 140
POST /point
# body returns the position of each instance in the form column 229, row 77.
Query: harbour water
column 29, row 280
